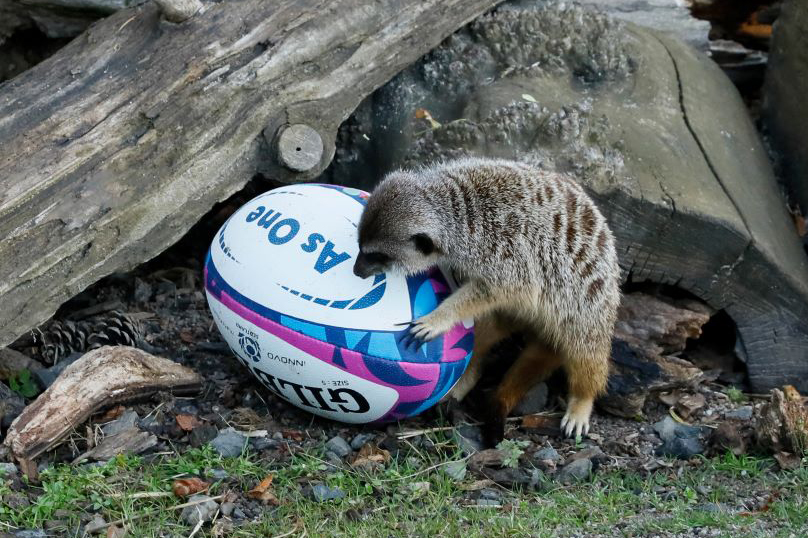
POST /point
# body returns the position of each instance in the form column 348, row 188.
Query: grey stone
column 668, row 429
column 124, row 422
column 219, row 474
column 202, row 434
column 575, row 471
column 204, row 510
column 469, row 439
column 12, row 361
column 322, row 493
column 238, row 513
column 229, row 443
column 46, row 376
column 785, row 109
column 547, row 454
column 338, row 446
column 95, row 525
column 11, row 405
column 455, row 470
column 742, row 413
column 264, row 443
column 227, row 508
column 487, row 493
column 489, row 502
column 8, row 469
column 682, row 448
column 534, row 401
column 360, row 439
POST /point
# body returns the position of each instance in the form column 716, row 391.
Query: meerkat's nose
column 361, row 267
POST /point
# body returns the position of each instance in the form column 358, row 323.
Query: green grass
column 614, row 502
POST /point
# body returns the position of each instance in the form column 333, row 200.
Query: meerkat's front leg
column 469, row 301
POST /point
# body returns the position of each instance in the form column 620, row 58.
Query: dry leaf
column 529, row 98
column 187, row 422
column 787, row 461
column 689, row 404
column 670, row 398
column 477, row 485
column 112, row 414
column 115, row 531
column 370, row 457
column 186, row 336
column 189, row 486
column 294, row 435
column 264, row 492
column 423, row 114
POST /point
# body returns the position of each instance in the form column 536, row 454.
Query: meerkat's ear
column 423, row 243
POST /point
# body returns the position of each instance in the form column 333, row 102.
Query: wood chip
column 187, row 422
column 184, row 487
column 264, row 492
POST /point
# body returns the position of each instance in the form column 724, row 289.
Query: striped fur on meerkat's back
column 533, row 247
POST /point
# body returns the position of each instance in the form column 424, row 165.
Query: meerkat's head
column 399, row 230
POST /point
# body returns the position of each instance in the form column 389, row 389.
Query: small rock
column 30, row 534
column 708, row 507
column 227, row 509
column 575, row 471
column 238, row 513
column 219, row 474
column 418, row 488
column 12, row 361
column 278, row 436
column 126, row 421
column 143, row 291
column 742, row 413
column 8, row 469
column 547, row 454
column 203, row 511
column 11, row 405
column 338, row 446
column 668, row 429
column 16, row 501
column 533, row 402
column 469, row 439
column 229, row 443
column 333, row 459
column 95, row 526
column 455, row 470
column 360, row 440
column 202, row 435
column 488, row 493
column 489, row 502
column 322, row 493
column 681, row 448
column 589, row 453
column 46, row 376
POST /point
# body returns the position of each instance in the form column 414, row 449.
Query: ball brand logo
column 249, row 346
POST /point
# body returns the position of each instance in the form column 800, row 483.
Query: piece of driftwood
column 103, row 377
column 112, row 148
column 654, row 131
column 782, row 424
column 129, row 441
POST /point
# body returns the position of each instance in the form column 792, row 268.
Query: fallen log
column 112, row 148
column 103, row 377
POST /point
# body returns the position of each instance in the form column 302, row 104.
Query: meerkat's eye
column 423, row 243
column 379, row 258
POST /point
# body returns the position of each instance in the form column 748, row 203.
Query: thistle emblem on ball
column 249, row 346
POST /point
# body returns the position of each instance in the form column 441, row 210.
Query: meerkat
column 535, row 255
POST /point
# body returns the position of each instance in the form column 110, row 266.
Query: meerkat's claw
column 575, row 423
column 427, row 328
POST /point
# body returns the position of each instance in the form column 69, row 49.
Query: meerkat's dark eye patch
column 423, row 243
column 379, row 258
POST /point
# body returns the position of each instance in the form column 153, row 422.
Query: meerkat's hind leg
column 488, row 332
column 587, row 375
column 534, row 364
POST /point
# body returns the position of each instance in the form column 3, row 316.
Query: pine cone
column 115, row 329
column 61, row 338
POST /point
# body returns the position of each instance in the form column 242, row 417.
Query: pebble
column 229, row 443
column 338, row 446
column 126, row 421
column 94, row 526
column 238, row 513
column 322, row 493
column 575, row 471
column 681, row 448
column 360, row 440
column 455, row 470
column 547, row 454
column 264, row 443
column 488, row 502
column 204, row 511
column 278, row 436
column 8, row 469
column 669, row 429
column 202, row 435
column 533, row 402
column 219, row 474
column 469, row 439
column 227, row 509
column 742, row 413
column 418, row 488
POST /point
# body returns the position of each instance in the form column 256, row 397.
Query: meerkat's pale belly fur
column 535, row 251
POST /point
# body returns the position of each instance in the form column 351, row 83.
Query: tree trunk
column 112, row 148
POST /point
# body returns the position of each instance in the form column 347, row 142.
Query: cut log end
column 299, row 147
column 177, row 11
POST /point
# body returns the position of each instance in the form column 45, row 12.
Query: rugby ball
column 280, row 285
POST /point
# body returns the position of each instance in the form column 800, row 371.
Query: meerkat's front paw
column 576, row 420
column 430, row 327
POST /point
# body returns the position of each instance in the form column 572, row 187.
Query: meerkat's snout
column 362, row 268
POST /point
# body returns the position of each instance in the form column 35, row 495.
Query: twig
column 291, row 532
column 151, row 513
column 196, row 528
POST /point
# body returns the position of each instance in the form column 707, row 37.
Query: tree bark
column 112, row 148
